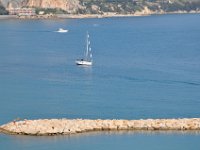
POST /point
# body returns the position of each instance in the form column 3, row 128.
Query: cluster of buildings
column 22, row 11
column 16, row 8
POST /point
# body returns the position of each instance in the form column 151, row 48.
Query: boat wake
column 192, row 83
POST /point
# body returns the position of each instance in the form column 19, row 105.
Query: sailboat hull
column 84, row 62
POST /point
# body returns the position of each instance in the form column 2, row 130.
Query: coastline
column 119, row 15
column 85, row 16
column 8, row 17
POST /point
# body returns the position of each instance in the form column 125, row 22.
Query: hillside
column 132, row 6
column 111, row 6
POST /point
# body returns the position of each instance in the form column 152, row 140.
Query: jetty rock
column 72, row 126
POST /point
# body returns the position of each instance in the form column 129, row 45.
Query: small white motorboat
column 61, row 30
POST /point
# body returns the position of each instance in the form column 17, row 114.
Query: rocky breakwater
column 66, row 126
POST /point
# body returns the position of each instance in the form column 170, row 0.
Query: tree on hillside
column 3, row 11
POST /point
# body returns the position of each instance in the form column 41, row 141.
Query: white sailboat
column 87, row 61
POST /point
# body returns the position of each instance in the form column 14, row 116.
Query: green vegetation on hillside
column 50, row 11
column 101, row 6
column 183, row 6
column 130, row 6
column 3, row 11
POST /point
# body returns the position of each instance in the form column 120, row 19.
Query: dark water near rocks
column 144, row 67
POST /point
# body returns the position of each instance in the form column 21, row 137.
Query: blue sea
column 143, row 67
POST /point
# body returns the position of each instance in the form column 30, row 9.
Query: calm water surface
column 144, row 67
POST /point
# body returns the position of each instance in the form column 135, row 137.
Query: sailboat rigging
column 87, row 60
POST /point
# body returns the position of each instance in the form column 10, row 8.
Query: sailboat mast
column 87, row 46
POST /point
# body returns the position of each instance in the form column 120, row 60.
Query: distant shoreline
column 8, row 17
column 85, row 16
column 119, row 15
